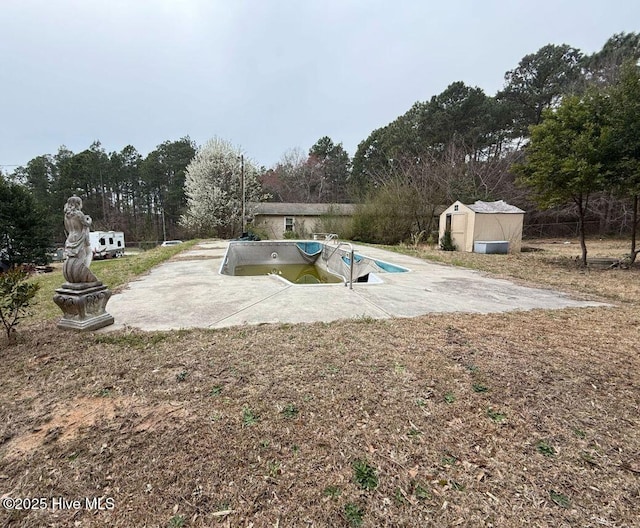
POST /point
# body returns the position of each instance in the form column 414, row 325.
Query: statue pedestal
column 84, row 305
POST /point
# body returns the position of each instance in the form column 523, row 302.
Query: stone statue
column 77, row 248
column 83, row 298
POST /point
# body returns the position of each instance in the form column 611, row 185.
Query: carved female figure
column 77, row 248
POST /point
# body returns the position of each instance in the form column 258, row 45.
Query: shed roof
column 302, row 209
column 494, row 207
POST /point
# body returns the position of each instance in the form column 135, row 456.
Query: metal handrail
column 351, row 260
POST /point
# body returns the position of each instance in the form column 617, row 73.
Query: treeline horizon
column 458, row 145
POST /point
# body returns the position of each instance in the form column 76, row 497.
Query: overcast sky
column 267, row 75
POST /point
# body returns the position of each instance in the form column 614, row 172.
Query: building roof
column 494, row 207
column 301, row 209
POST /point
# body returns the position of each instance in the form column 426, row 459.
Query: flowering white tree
column 213, row 186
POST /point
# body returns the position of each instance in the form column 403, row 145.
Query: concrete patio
column 188, row 292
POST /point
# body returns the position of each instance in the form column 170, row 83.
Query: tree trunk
column 634, row 229
column 582, row 212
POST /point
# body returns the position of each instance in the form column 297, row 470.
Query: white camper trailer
column 107, row 244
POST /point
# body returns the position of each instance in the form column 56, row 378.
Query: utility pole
column 104, row 206
column 243, row 193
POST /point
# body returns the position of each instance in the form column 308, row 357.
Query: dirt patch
column 68, row 420
column 63, row 423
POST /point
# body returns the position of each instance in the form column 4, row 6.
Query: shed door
column 459, row 231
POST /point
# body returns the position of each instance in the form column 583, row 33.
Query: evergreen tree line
column 122, row 191
column 460, row 144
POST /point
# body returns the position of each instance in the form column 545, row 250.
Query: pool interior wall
column 327, row 257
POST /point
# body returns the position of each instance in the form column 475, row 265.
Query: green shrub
column 390, row 216
column 332, row 222
column 363, row 223
column 446, row 242
column 432, row 239
column 16, row 295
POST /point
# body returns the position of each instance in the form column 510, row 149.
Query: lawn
column 504, row 420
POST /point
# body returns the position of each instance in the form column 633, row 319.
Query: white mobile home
column 107, row 244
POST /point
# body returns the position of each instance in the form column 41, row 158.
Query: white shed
column 482, row 222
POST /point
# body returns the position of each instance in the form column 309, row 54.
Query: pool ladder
column 351, row 259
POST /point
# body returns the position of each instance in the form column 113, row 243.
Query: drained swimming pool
column 295, row 273
column 304, row 262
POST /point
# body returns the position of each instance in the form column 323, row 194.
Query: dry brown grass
column 506, row 420
column 553, row 263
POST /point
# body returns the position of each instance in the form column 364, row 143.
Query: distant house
column 278, row 218
column 472, row 225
